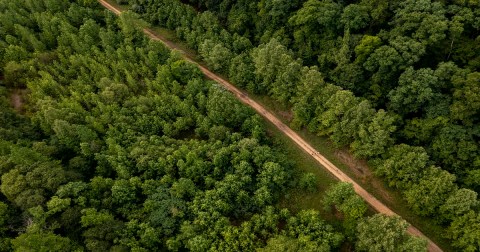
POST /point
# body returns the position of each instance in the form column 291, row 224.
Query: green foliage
column 312, row 233
column 422, row 20
column 304, row 109
column 458, row 203
column 349, row 128
column 308, row 182
column 316, row 19
column 29, row 178
column 385, row 233
column 464, row 231
column 402, row 165
column 431, row 191
column 276, row 70
column 466, row 100
column 215, row 55
column 456, row 147
column 5, row 222
column 43, row 241
column 415, row 90
column 283, row 243
column 355, row 17
column 241, row 71
column 148, row 147
column 343, row 198
column 335, row 108
column 375, row 136
column 366, row 46
column 100, row 229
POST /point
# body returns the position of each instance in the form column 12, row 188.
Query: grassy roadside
column 297, row 200
column 116, row 5
column 172, row 36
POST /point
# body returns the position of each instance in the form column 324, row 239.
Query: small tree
column 342, row 196
column 308, row 182
column 385, row 233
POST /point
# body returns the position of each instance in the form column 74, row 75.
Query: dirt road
column 370, row 199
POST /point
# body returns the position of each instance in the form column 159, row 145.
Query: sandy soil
column 16, row 100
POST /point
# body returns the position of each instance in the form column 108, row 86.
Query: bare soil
column 362, row 172
column 17, row 101
column 287, row 115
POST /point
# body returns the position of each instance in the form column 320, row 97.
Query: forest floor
column 244, row 97
column 17, row 100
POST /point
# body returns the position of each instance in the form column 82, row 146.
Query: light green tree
column 386, row 233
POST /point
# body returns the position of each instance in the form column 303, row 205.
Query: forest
column 395, row 81
column 121, row 145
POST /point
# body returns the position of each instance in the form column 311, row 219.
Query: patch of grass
column 299, row 199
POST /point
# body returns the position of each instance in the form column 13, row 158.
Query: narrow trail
column 17, row 101
column 243, row 97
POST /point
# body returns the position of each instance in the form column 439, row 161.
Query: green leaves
column 273, row 176
column 308, row 182
column 429, row 194
column 385, row 233
column 355, row 17
column 223, row 109
column 276, row 70
column 310, row 232
column 336, row 106
column 366, row 46
column 464, row 231
column 466, row 102
column 42, row 241
column 402, row 165
column 374, row 137
column 32, row 179
column 459, row 203
column 414, row 91
column 100, row 229
column 216, row 55
column 344, row 199
column 423, row 20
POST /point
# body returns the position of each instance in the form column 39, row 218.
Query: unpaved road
column 243, row 97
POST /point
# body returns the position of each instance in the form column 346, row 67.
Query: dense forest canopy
column 396, row 81
column 124, row 146
column 418, row 60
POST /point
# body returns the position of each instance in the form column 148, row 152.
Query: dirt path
column 243, row 97
column 16, row 100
